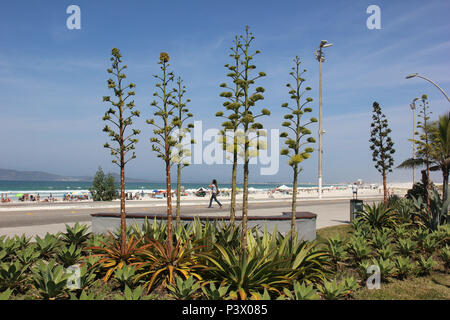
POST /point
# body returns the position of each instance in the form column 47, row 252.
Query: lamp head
column 412, row 75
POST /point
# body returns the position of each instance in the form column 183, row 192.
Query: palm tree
column 439, row 152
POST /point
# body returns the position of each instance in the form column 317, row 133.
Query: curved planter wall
column 305, row 222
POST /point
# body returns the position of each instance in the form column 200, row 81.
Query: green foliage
column 76, row 235
column 380, row 238
column 335, row 250
column 358, row 249
column 162, row 263
column 187, row 289
column 377, row 215
column 444, row 254
column 406, row 246
column 12, row 275
column 425, row 265
column 85, row 295
column 27, row 256
column 69, row 255
column 386, row 251
column 302, row 292
column 9, row 247
column 403, row 210
column 436, row 214
column 5, row 295
column 387, row 267
column 212, row 292
column 125, row 276
column 103, row 187
column 333, row 290
column 137, row 293
column 50, row 280
column 403, row 266
column 245, row 274
column 47, row 245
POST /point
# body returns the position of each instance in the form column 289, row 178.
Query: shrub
column 27, row 256
column 406, row 246
column 185, row 289
column 380, row 238
column 335, row 250
column 332, row 290
column 47, row 245
column 12, row 275
column 302, row 292
column 445, row 256
column 125, row 276
column 163, row 262
column 358, row 249
column 403, row 266
column 69, row 255
column 386, row 252
column 77, row 235
column 50, row 280
column 211, row 292
column 386, row 267
column 137, row 293
column 425, row 266
column 377, row 215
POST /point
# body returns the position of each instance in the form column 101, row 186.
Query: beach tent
column 283, row 188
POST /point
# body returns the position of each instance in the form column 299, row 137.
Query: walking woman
column 214, row 193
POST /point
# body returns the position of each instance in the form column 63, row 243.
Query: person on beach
column 214, row 192
column 355, row 191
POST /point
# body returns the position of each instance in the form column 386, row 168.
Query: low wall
column 305, row 222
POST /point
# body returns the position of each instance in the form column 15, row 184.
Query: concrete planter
column 305, row 222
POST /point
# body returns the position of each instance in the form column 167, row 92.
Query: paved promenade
column 38, row 219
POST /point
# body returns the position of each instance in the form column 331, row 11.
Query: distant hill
column 15, row 175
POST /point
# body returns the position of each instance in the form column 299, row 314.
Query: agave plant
column 23, row 241
column 137, row 293
column 404, row 211
column 358, row 249
column 381, row 238
column 336, row 251
column 363, row 268
column 212, row 292
column 125, row 276
column 111, row 255
column 434, row 216
column 162, row 263
column 187, row 289
column 77, row 235
column 27, row 256
column 403, row 266
column 245, row 274
column 386, row 267
column 386, row 252
column 69, row 255
column 5, row 295
column 47, row 245
column 10, row 247
column 425, row 266
column 445, row 256
column 85, row 295
column 429, row 244
column 377, row 215
column 302, row 292
column 50, row 280
column 406, row 246
column 333, row 290
column 12, row 275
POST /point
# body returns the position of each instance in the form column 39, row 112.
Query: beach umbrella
column 283, row 187
column 155, row 190
column 18, row 195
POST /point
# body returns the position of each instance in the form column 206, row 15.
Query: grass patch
column 433, row 287
column 344, row 232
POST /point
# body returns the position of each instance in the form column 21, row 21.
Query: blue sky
column 53, row 79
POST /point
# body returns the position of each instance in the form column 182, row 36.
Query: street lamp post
column 320, row 57
column 429, row 80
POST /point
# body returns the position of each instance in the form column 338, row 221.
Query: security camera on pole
column 320, row 57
